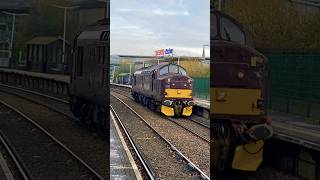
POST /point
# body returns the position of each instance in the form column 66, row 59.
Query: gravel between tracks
column 192, row 126
column 41, row 155
column 88, row 145
column 165, row 163
column 197, row 150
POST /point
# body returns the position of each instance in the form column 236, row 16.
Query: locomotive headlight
column 168, row 80
column 189, row 81
column 240, row 74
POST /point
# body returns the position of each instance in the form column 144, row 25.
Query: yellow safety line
column 133, row 164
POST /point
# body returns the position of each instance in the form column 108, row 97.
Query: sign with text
column 163, row 52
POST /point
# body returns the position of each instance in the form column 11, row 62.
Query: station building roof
column 44, row 40
column 15, row 6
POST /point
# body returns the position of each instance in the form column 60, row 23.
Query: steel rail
column 16, row 159
column 39, row 102
column 189, row 129
column 36, row 93
column 54, row 139
column 144, row 163
column 199, row 123
column 190, row 163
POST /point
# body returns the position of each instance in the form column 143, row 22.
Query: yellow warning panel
column 248, row 157
column 168, row 111
column 187, row 111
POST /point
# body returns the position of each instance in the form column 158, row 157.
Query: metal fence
column 201, row 87
column 294, row 84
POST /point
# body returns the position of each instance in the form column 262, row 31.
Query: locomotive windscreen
column 225, row 28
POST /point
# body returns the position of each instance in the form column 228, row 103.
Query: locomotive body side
column 158, row 87
column 89, row 80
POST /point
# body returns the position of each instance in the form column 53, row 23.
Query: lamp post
column 64, row 28
column 220, row 5
column 204, row 51
column 12, row 29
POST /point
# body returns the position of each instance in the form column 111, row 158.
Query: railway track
column 54, row 114
column 22, row 170
column 57, row 104
column 165, row 152
column 196, row 127
column 144, row 164
column 32, row 149
column 188, row 125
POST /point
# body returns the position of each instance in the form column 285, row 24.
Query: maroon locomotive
column 90, row 75
column 164, row 87
column 238, row 97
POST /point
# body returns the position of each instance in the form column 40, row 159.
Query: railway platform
column 122, row 164
column 295, row 130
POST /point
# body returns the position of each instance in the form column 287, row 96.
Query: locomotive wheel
column 86, row 115
column 103, row 121
column 152, row 105
column 148, row 103
column 89, row 117
column 75, row 108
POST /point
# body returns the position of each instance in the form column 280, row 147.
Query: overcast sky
column 139, row 27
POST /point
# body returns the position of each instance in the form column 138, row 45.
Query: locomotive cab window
column 214, row 25
column 182, row 71
column 173, row 69
column 164, row 70
column 231, row 32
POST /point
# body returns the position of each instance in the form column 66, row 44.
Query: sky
column 139, row 27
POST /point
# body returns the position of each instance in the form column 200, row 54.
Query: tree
column 276, row 23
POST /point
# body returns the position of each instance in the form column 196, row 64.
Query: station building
column 44, row 54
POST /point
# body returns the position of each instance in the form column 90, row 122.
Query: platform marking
column 5, row 168
column 133, row 164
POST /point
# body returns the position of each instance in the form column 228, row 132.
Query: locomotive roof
column 95, row 31
column 148, row 70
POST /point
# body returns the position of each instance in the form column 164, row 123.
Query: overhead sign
column 163, row 52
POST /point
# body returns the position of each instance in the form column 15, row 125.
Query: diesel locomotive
column 164, row 87
column 90, row 73
column 239, row 122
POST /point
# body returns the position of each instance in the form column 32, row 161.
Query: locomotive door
column 152, row 81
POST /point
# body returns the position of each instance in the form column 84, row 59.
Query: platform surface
column 296, row 130
column 122, row 165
